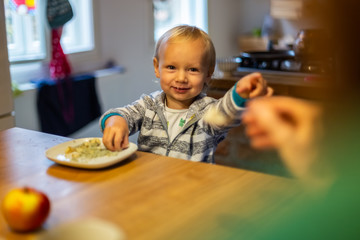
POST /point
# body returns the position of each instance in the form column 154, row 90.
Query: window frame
column 86, row 32
column 25, row 23
column 45, row 32
column 200, row 20
column 38, row 69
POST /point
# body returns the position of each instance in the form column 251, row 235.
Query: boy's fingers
column 255, row 86
column 117, row 141
column 243, row 90
column 258, row 90
column 125, row 143
column 107, row 140
column 244, row 93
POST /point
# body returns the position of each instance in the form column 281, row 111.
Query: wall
column 230, row 18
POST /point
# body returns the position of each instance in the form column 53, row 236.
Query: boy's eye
column 193, row 69
column 170, row 67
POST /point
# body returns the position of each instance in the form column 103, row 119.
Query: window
column 78, row 32
column 24, row 35
column 169, row 13
column 26, row 28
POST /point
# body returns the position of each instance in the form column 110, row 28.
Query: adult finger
column 269, row 91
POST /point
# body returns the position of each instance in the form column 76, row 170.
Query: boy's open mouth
column 180, row 89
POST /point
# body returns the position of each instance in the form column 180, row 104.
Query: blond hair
column 186, row 32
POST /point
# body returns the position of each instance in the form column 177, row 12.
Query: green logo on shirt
column 182, row 122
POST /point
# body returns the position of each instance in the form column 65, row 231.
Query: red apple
column 25, row 209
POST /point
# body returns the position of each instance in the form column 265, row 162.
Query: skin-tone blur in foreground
column 292, row 126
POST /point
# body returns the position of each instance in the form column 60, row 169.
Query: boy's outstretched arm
column 250, row 86
column 116, row 133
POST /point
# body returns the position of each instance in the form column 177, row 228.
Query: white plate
column 89, row 229
column 57, row 154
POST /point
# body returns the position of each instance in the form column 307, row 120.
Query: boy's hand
column 116, row 133
column 253, row 85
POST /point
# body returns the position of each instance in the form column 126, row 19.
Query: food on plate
column 25, row 209
column 88, row 150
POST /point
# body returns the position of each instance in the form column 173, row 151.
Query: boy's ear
column 156, row 67
column 210, row 73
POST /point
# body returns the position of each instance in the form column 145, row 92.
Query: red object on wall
column 59, row 65
column 60, row 71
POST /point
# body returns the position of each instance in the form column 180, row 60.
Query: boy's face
column 183, row 70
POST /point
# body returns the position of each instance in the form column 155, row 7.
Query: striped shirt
column 196, row 142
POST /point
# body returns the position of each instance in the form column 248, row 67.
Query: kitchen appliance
column 310, row 54
column 279, row 60
column 271, row 60
column 6, row 100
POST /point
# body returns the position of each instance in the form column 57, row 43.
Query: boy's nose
column 181, row 76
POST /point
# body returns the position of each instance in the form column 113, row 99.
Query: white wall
column 230, row 18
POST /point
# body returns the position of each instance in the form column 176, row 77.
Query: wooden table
column 147, row 196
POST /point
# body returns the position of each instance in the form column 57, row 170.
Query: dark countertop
column 277, row 77
column 303, row 85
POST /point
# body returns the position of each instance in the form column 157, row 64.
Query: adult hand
column 290, row 125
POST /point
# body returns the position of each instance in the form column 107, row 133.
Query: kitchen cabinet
column 287, row 9
column 6, row 100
